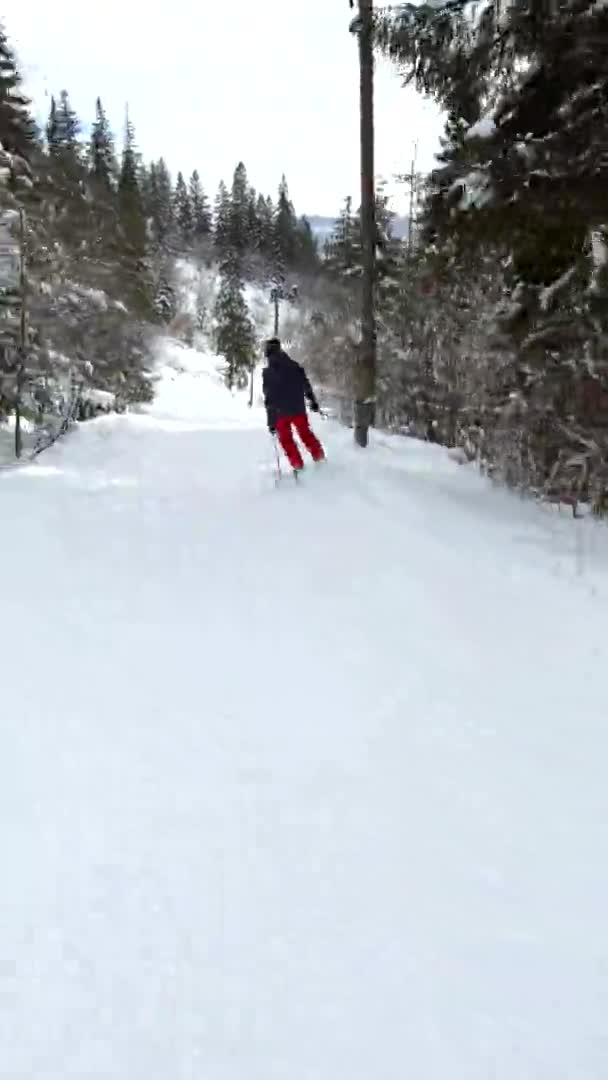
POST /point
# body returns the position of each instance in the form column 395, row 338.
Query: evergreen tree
column 51, row 126
column 130, row 165
column 67, row 169
column 265, row 217
column 239, row 236
column 63, row 129
column 201, row 215
column 76, row 247
column 263, row 226
column 17, row 138
column 521, row 183
column 235, row 335
column 285, row 228
column 343, row 249
column 17, row 151
column 63, row 184
column 104, row 167
column 158, row 200
column 101, row 226
column 148, row 186
column 253, row 224
column 306, row 251
column 221, row 221
column 182, row 211
column 133, row 225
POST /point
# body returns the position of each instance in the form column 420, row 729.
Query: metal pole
column 365, row 372
column 278, row 458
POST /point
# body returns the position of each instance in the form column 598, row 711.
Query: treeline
column 89, row 285
column 253, row 239
column 508, row 290
column 493, row 326
column 103, row 231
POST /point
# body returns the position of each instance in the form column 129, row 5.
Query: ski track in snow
column 300, row 783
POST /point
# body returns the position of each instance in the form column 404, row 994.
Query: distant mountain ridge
column 323, row 227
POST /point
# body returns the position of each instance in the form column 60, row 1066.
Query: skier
column 286, row 386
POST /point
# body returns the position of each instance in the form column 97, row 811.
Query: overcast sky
column 272, row 82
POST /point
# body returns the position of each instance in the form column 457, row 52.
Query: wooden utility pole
column 365, row 367
column 413, row 193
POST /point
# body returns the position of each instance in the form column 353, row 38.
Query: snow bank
column 102, row 399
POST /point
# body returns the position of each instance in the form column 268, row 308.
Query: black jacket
column 286, row 388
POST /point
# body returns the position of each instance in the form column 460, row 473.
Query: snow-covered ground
column 299, row 783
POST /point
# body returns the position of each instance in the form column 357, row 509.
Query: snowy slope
column 297, row 783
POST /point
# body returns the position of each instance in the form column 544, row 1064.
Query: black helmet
column 273, row 346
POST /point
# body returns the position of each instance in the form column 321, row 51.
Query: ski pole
column 278, row 456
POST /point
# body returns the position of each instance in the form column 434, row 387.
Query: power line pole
column 365, row 372
column 413, row 193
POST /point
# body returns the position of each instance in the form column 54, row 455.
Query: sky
column 272, row 83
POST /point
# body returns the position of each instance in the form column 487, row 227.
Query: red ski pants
column 308, row 437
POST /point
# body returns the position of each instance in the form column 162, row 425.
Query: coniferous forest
column 103, row 231
column 491, row 314
column 303, row 732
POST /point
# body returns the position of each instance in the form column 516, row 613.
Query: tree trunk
column 21, row 351
column 365, row 368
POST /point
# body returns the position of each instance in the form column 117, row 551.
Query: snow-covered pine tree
column 182, row 212
column 239, row 234
column 306, row 250
column 221, row 221
column 523, row 176
column 102, row 183
column 258, row 217
column 17, row 134
column 235, row 334
column 284, row 240
column 17, row 151
column 343, row 249
column 265, row 226
column 64, row 176
column 147, row 185
column 201, row 215
column 66, row 160
column 160, row 209
column 63, row 129
column 253, row 224
column 103, row 163
column 132, row 222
